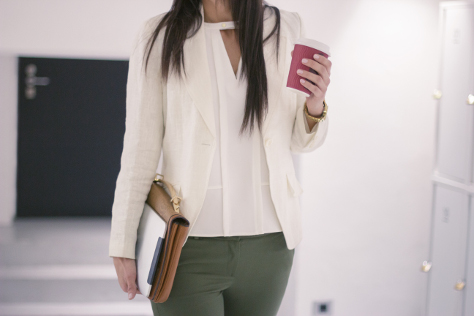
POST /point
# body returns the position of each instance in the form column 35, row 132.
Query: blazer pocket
column 294, row 185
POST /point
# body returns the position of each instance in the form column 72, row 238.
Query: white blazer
column 177, row 118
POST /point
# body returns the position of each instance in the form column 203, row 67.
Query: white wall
column 75, row 28
column 366, row 205
column 8, row 137
column 367, row 199
column 54, row 28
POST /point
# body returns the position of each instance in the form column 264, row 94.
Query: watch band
column 315, row 118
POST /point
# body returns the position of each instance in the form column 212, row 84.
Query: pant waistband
column 237, row 238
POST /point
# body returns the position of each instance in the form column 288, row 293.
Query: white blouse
column 238, row 200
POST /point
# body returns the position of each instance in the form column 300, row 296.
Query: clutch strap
column 175, row 199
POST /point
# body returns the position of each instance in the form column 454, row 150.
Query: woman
column 199, row 76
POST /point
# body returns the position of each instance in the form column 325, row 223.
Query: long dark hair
column 249, row 15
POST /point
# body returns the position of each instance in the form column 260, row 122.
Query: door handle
column 437, row 94
column 31, row 81
column 460, row 285
column 426, row 266
column 470, row 99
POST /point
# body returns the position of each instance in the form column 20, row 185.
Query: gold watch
column 314, row 118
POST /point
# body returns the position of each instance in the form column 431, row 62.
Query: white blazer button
column 268, row 142
column 223, row 24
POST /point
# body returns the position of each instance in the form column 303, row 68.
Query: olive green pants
column 231, row 276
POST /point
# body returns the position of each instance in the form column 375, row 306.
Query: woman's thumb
column 131, row 294
column 132, row 291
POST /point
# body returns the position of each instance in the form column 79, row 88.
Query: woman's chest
column 188, row 101
column 231, row 46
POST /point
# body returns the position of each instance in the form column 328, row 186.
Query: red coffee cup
column 304, row 48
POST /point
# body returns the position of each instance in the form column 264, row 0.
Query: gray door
column 448, row 253
column 71, row 122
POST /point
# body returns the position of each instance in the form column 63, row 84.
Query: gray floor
column 60, row 266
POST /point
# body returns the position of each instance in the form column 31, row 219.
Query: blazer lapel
column 276, row 73
column 198, row 80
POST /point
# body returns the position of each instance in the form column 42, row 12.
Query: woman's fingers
column 319, row 68
column 320, row 59
column 318, row 82
column 127, row 275
column 316, row 79
column 316, row 90
column 131, row 276
column 119, row 269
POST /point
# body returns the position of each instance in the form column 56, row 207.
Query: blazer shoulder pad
column 291, row 22
column 148, row 26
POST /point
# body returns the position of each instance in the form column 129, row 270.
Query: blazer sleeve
column 141, row 146
column 303, row 139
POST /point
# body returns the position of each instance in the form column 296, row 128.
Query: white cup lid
column 314, row 44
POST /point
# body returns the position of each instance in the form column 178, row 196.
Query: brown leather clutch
column 177, row 226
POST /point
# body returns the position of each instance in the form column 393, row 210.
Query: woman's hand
column 322, row 66
column 126, row 269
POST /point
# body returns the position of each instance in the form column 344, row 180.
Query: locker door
column 448, row 253
column 469, row 295
column 455, row 135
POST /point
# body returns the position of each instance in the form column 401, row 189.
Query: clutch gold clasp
column 175, row 202
column 157, row 178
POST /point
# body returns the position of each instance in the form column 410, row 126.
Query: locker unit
column 450, row 288
column 448, row 256
column 469, row 291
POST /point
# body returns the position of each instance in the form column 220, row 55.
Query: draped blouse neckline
column 218, row 26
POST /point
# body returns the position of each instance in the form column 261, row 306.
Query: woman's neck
column 215, row 11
